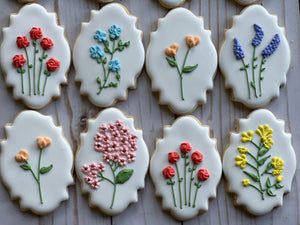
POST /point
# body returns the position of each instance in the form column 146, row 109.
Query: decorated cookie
column 255, row 57
column 36, row 164
column 112, row 161
column 35, row 56
column 171, row 3
column 108, row 55
column 26, row 1
column 246, row 2
column 105, row 1
column 186, row 168
column 181, row 62
column 259, row 162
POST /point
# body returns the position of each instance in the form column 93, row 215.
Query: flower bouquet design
column 118, row 146
column 171, row 52
column 169, row 173
column 258, row 160
column 32, row 69
column 266, row 52
column 114, row 65
column 23, row 155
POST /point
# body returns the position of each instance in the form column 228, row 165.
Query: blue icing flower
column 259, row 35
column 270, row 49
column 237, row 49
column 96, row 52
column 100, row 36
column 114, row 31
column 114, row 65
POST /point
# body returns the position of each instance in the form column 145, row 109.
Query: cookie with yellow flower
column 36, row 162
column 259, row 162
column 181, row 61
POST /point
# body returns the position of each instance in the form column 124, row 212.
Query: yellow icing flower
column 241, row 160
column 276, row 172
column 243, row 149
column 277, row 163
column 246, row 182
column 266, row 134
column 247, row 136
column 279, row 178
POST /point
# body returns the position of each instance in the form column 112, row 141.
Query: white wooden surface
column 220, row 113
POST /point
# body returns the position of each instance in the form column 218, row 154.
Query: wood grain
column 220, row 113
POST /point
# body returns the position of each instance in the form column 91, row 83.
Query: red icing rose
column 18, row 61
column 203, row 174
column 47, row 43
column 22, row 42
column 53, row 64
column 197, row 157
column 185, row 148
column 173, row 157
column 168, row 172
column 36, row 33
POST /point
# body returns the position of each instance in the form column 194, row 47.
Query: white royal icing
column 165, row 78
column 131, row 58
column 276, row 66
column 22, row 134
column 126, row 193
column 186, row 129
column 171, row 3
column 34, row 15
column 282, row 147
column 246, row 2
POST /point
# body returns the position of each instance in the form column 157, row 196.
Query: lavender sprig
column 270, row 49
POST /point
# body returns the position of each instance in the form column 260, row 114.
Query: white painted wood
column 220, row 113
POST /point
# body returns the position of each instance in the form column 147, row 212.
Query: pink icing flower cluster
column 116, row 143
column 92, row 170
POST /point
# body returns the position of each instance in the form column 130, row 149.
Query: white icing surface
column 131, row 58
column 34, row 15
column 171, row 3
column 248, row 196
column 126, row 193
column 22, row 134
column 165, row 79
column 246, row 2
column 186, row 129
column 277, row 64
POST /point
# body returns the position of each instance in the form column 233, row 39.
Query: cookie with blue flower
column 255, row 57
column 108, row 55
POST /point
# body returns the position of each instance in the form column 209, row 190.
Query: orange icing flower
column 43, row 142
column 172, row 50
column 22, row 156
column 192, row 41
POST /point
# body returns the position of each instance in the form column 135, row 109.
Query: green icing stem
column 179, row 185
column 253, row 73
column 248, row 84
column 28, row 67
column 172, row 185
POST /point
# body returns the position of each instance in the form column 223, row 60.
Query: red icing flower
column 173, row 157
column 197, row 157
column 185, row 148
column 36, row 33
column 47, row 43
column 22, row 42
column 203, row 174
column 168, row 172
column 53, row 64
column 18, row 61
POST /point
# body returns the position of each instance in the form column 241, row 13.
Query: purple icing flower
column 237, row 49
column 114, row 65
column 270, row 49
column 96, row 52
column 100, row 36
column 259, row 35
column 114, row 31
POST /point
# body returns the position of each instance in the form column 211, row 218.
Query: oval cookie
column 112, row 161
column 259, row 162
column 108, row 55
column 35, row 56
column 36, row 164
column 181, row 62
column 169, row 4
column 186, row 168
column 255, row 57
column 246, row 2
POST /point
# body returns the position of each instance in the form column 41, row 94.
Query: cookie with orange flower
column 186, row 168
column 259, row 162
column 35, row 56
column 36, row 164
column 181, row 62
